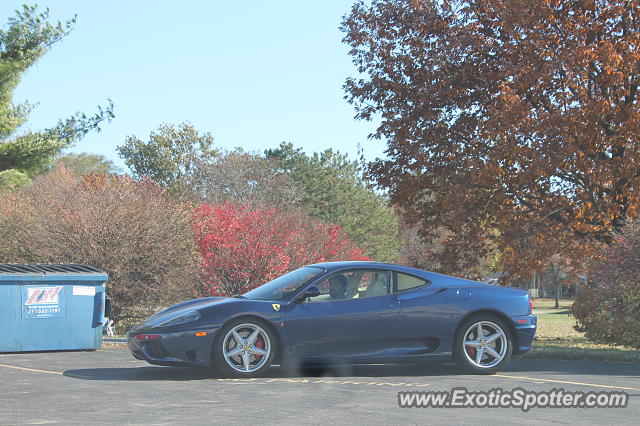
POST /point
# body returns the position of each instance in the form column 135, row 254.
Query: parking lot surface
column 108, row 386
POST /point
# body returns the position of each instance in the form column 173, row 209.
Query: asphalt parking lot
column 108, row 386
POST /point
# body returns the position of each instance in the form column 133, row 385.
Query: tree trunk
column 557, row 286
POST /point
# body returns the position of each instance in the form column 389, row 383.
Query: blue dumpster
column 47, row 307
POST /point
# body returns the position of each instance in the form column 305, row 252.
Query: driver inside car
column 338, row 287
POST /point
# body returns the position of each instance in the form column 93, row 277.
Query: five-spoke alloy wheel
column 483, row 344
column 244, row 348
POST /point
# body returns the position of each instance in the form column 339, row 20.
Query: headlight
column 180, row 319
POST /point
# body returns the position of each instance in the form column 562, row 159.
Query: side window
column 355, row 284
column 406, row 282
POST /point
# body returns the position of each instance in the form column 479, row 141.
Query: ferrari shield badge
column 276, row 307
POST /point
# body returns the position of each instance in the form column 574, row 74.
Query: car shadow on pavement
column 139, row 374
column 516, row 366
column 153, row 373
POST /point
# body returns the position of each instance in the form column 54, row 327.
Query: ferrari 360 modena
column 343, row 312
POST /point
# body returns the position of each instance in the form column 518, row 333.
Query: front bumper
column 181, row 349
column 525, row 328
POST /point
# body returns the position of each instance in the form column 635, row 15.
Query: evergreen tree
column 26, row 38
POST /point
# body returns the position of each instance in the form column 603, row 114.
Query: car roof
column 334, row 266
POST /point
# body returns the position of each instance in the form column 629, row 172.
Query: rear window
column 406, row 282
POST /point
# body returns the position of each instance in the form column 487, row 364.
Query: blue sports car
column 357, row 312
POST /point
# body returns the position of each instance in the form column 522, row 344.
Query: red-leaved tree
column 608, row 307
column 243, row 246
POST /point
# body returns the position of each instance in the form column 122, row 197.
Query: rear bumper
column 525, row 328
column 183, row 349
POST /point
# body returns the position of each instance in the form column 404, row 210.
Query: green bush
column 13, row 179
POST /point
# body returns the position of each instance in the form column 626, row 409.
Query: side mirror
column 312, row 291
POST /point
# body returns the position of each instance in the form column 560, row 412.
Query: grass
column 551, row 303
column 557, row 339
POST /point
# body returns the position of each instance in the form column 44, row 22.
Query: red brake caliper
column 471, row 351
column 259, row 344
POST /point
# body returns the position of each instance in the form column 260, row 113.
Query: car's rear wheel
column 244, row 348
column 483, row 344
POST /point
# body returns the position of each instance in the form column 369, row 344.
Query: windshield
column 283, row 286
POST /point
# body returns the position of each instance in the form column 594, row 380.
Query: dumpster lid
column 48, row 268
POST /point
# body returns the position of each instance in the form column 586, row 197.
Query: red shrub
column 243, row 246
column 608, row 308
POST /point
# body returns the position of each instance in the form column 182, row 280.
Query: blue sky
column 252, row 73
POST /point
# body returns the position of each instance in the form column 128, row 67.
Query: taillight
column 148, row 337
column 530, row 305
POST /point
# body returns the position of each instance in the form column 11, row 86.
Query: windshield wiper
column 238, row 296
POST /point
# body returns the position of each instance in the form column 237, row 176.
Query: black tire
column 466, row 356
column 222, row 342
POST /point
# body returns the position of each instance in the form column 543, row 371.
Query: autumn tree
column 436, row 254
column 509, row 118
column 27, row 36
column 560, row 274
column 128, row 228
column 244, row 246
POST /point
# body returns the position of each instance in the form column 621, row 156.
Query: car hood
column 178, row 309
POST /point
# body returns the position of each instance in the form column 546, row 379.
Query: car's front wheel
column 244, row 348
column 483, row 344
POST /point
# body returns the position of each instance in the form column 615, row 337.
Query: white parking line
column 320, row 381
column 595, row 385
